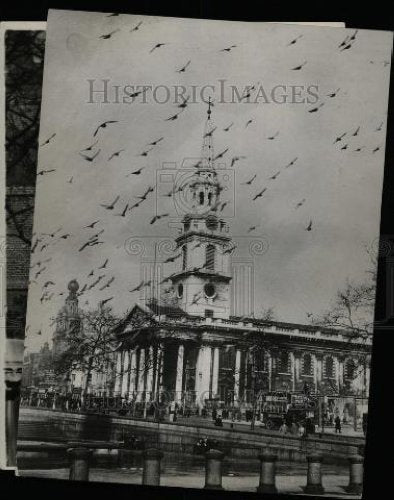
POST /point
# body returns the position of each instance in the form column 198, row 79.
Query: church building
column 195, row 352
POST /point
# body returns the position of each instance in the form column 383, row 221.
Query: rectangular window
column 208, row 313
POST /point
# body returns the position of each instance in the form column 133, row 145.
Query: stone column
column 267, row 473
column 179, row 373
column 237, row 376
column 118, row 373
column 340, row 373
column 151, row 471
column 125, row 374
column 213, row 469
column 355, row 475
column 79, row 466
column 133, row 372
column 149, row 374
column 292, row 371
column 269, row 355
column 202, row 375
column 159, row 370
column 141, row 375
column 215, row 372
column 314, row 477
column 315, row 369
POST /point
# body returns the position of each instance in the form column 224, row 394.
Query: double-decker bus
column 283, row 406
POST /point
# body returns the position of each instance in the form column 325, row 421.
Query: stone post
column 267, row 473
column 355, row 475
column 151, row 472
column 314, row 477
column 213, row 469
column 79, row 466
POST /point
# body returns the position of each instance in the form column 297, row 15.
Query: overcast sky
column 300, row 271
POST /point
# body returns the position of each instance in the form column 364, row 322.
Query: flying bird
column 210, row 133
column 236, row 158
column 104, row 125
column 172, row 259
column 378, row 129
column 272, row 137
column 108, row 284
column 300, row 203
column 158, row 45
column 111, row 206
column 103, row 266
column 297, row 68
column 149, row 190
column 92, row 224
column 173, row 117
column 156, row 141
column 345, row 146
column 249, row 182
column 89, row 148
column 313, row 110
column 183, row 69
column 136, row 28
column 157, row 217
column 103, row 302
column 117, row 153
column 355, row 133
column 228, row 49
column 376, row 149
column 339, row 138
column 292, row 162
column 43, row 172
column 333, row 94
column 309, row 227
column 294, row 40
column 136, row 172
column 90, row 158
column 228, row 127
column 123, row 213
column 253, row 228
column 47, row 141
column 220, row 155
column 248, row 123
column 145, row 153
column 108, row 35
column 260, row 194
column 137, row 288
column 274, row 176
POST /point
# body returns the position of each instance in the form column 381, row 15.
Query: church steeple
column 202, row 284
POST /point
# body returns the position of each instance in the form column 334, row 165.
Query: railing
column 80, row 456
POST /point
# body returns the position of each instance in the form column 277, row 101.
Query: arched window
column 184, row 257
column 283, row 362
column 307, row 364
column 329, row 369
column 209, row 198
column 261, row 360
column 350, row 369
column 210, row 257
column 201, row 197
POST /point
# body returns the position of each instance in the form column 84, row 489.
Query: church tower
column 202, row 284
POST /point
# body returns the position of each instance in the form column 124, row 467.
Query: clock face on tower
column 209, row 290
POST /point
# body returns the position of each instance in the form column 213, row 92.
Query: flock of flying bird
column 92, row 234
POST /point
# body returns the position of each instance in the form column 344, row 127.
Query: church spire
column 207, row 153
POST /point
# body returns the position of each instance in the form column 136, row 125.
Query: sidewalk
column 333, row 484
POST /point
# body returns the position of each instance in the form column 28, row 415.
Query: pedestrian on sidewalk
column 338, row 427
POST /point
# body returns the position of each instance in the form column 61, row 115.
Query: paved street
column 285, row 484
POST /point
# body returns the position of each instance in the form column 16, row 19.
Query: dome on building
column 73, row 286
